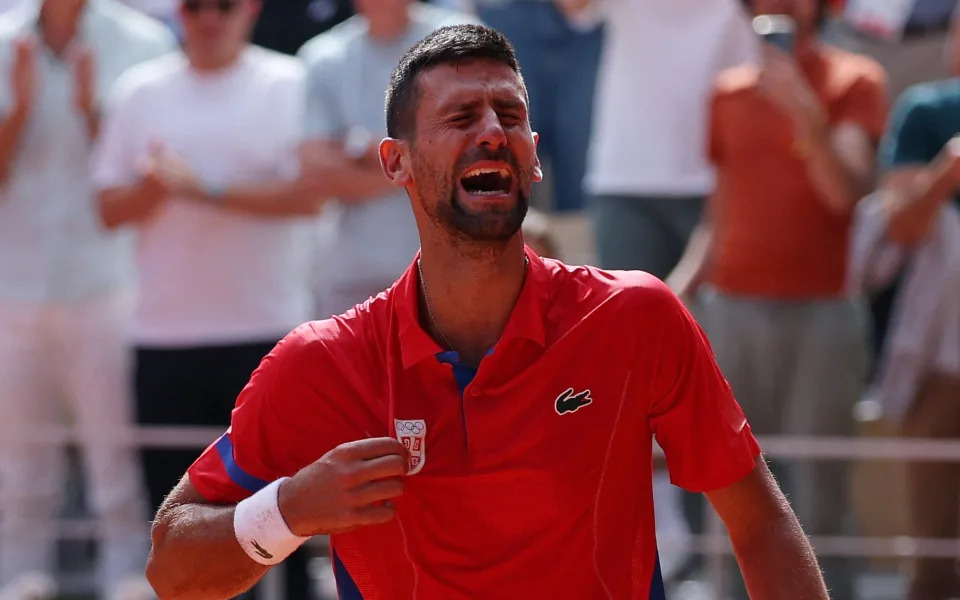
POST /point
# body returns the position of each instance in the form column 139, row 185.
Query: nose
column 491, row 131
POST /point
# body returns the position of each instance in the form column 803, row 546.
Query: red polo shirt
column 533, row 475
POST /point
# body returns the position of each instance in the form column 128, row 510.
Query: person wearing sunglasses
column 65, row 289
column 199, row 155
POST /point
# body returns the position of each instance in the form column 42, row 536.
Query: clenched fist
column 351, row 486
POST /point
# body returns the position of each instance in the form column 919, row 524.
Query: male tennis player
column 483, row 428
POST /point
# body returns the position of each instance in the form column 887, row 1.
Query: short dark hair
column 445, row 45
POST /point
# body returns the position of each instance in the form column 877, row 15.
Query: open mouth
column 487, row 181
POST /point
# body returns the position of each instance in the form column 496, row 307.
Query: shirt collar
column 526, row 322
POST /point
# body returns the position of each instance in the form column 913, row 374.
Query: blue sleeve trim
column 234, row 471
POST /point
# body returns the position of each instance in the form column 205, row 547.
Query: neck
column 57, row 33
column 387, row 29
column 471, row 294
column 212, row 63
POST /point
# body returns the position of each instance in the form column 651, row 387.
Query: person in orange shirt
column 794, row 143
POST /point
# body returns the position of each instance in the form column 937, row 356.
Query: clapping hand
column 783, row 82
column 84, row 82
column 24, row 74
column 165, row 174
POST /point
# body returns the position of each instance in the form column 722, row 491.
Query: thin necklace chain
column 426, row 302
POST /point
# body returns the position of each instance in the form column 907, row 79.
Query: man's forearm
column 777, row 562
column 128, row 204
column 352, row 182
column 692, row 268
column 92, row 121
column 196, row 556
column 838, row 187
column 912, row 207
column 277, row 199
column 11, row 131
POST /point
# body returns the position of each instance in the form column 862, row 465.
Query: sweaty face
column 473, row 155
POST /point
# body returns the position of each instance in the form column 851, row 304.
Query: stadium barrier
column 713, row 544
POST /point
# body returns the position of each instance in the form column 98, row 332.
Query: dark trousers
column 197, row 386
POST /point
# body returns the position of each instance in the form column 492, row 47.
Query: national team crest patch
column 412, row 434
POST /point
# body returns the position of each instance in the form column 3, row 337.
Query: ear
column 393, row 161
column 537, row 170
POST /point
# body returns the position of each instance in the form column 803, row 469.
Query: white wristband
column 260, row 528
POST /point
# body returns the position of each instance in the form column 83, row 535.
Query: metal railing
column 713, row 544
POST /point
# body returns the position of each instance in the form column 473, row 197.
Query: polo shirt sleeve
column 693, row 414
column 865, row 103
column 908, row 138
column 301, row 402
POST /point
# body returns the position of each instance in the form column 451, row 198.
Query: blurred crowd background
column 184, row 181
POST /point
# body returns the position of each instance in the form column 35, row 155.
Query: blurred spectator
column 164, row 11
column 285, row 25
column 908, row 245
column 794, row 145
column 65, row 284
column 369, row 235
column 538, row 235
column 465, row 6
column 199, row 153
column 647, row 169
column 6, row 5
column 558, row 57
column 906, row 37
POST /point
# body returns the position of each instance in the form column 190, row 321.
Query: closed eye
column 510, row 119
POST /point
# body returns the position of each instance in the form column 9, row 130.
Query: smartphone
column 779, row 30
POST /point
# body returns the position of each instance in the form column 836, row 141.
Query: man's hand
column 351, row 486
column 167, row 174
column 782, row 81
column 914, row 195
column 24, row 74
column 948, row 161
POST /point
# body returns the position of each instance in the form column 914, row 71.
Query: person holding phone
column 794, row 141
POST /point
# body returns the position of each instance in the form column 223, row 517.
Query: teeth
column 486, row 170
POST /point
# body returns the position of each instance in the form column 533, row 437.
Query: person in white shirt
column 200, row 156
column 368, row 235
column 559, row 57
column 647, row 171
column 6, row 5
column 65, row 284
